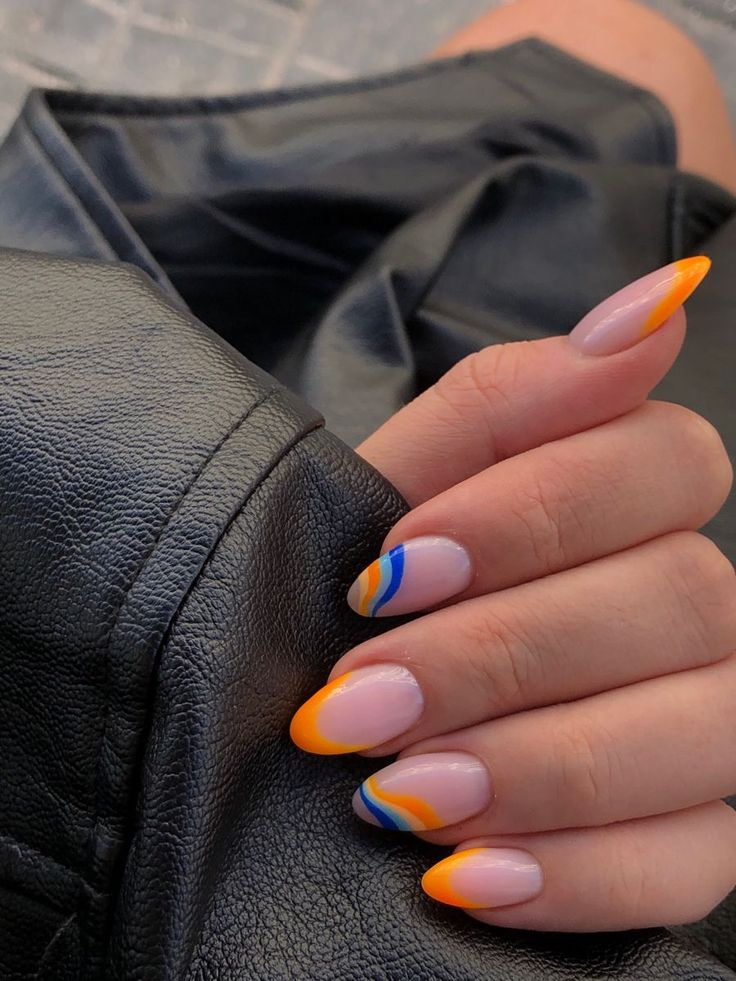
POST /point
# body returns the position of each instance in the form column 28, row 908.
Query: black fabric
column 178, row 530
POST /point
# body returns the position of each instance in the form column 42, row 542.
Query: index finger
column 513, row 397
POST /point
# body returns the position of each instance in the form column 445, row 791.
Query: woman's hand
column 567, row 717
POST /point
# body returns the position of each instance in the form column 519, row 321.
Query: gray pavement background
column 170, row 47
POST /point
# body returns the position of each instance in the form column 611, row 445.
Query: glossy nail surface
column 358, row 710
column 639, row 309
column 419, row 793
column 412, row 576
column 484, row 878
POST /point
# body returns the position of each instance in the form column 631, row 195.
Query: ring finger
column 650, row 748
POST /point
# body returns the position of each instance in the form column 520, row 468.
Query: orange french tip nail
column 305, row 729
column 436, row 882
column 360, row 709
column 626, row 318
column 485, row 878
column 689, row 274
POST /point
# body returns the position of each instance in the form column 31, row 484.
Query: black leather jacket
column 177, row 530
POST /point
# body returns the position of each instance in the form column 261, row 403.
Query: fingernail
column 484, row 878
column 640, row 308
column 358, row 710
column 413, row 576
column 424, row 792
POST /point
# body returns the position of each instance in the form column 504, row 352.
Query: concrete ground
column 215, row 46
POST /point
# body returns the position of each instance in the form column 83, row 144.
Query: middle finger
column 650, row 748
column 666, row 605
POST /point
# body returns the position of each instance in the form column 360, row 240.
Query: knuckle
column 698, row 560
column 564, row 504
column 495, row 371
column 712, row 883
column 679, row 419
column 627, row 882
column 704, row 582
column 589, row 770
column 635, row 884
column 699, row 443
column 724, row 820
column 538, row 511
column 479, row 377
column 702, row 553
column 500, row 660
column 485, row 379
column 726, row 814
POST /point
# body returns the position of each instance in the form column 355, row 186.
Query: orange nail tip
column 485, row 878
column 437, row 884
column 358, row 710
column 305, row 730
column 691, row 273
column 685, row 277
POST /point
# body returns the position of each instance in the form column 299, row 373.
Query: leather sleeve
column 176, row 535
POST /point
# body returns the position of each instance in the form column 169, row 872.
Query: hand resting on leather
column 564, row 713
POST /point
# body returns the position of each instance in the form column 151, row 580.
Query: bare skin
column 606, row 767
column 629, row 40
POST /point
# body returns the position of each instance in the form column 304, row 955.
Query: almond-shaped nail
column 412, row 576
column 484, row 878
column 640, row 308
column 419, row 793
column 358, row 710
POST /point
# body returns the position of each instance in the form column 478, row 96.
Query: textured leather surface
column 177, row 531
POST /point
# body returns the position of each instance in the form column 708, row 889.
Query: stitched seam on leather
column 95, row 822
column 264, row 100
column 288, row 448
column 285, row 450
column 189, row 487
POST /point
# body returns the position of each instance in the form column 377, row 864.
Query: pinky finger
column 656, row 871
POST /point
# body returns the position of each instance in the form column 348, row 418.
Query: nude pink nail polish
column 638, row 309
column 412, row 576
column 484, row 878
column 419, row 793
column 359, row 710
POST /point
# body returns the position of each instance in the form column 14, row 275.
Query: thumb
column 509, row 398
